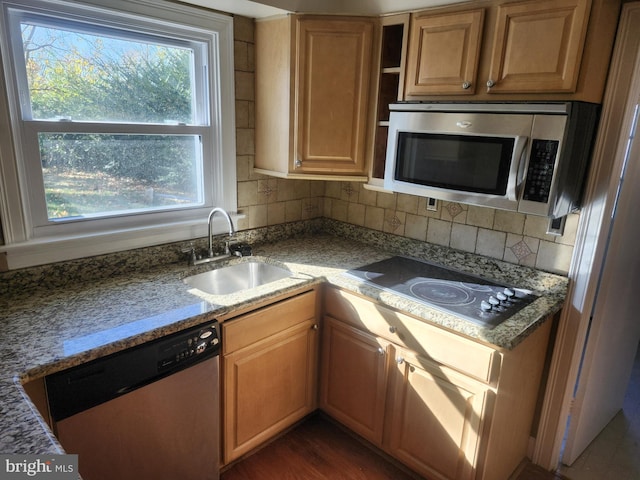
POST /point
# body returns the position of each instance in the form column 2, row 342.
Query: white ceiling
column 267, row 8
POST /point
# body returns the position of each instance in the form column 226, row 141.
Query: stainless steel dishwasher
column 150, row 412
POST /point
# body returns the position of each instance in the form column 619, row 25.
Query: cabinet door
column 354, row 378
column 435, row 418
column 333, row 75
column 538, row 46
column 443, row 53
column 268, row 386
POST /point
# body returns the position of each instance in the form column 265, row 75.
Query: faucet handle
column 191, row 250
column 240, row 249
column 190, row 247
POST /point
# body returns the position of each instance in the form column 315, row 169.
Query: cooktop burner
column 478, row 300
column 442, row 293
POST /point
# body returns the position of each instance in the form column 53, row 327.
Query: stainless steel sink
column 237, row 277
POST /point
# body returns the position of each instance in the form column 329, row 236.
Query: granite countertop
column 50, row 329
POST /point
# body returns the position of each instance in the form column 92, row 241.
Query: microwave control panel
column 540, row 171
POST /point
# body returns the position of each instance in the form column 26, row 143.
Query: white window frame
column 28, row 244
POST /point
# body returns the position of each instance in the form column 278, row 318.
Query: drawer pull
column 393, row 329
column 400, row 360
column 381, row 351
column 314, row 326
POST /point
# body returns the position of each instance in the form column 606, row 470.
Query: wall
column 267, row 201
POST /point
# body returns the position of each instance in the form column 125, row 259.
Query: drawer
column 252, row 327
column 474, row 359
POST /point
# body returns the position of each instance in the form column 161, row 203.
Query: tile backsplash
column 509, row 236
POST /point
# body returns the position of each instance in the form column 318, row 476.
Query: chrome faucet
column 232, row 230
column 195, row 259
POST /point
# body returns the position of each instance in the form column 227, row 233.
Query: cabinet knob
column 466, row 85
column 381, row 351
column 314, row 326
column 490, row 83
column 393, row 329
column 297, row 163
column 399, row 360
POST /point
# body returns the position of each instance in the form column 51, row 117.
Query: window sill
column 51, row 250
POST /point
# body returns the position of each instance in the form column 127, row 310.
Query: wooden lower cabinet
column 436, row 418
column 354, row 378
column 269, row 365
column 455, row 409
column 446, row 406
column 427, row 416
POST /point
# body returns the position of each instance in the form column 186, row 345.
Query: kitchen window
column 122, row 119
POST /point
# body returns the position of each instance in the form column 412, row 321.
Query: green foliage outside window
column 82, row 77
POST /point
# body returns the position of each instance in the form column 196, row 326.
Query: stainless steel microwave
column 525, row 157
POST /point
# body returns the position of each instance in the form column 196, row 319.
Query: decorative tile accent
column 265, row 188
column 349, row 190
column 520, row 250
column 394, row 223
column 454, row 209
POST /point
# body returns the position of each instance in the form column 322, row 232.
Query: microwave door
column 466, row 168
column 550, row 151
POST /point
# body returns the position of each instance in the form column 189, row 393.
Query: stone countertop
column 50, row 329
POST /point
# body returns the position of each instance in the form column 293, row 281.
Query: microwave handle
column 520, row 153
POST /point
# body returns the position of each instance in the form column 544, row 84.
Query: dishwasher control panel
column 90, row 384
column 189, row 346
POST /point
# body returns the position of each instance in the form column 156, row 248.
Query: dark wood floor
column 317, row 449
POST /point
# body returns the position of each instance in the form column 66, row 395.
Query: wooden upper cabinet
column 540, row 50
column 334, row 61
column 443, row 53
column 313, row 75
column 538, row 46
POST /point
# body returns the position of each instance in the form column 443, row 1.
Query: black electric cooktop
column 478, row 300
